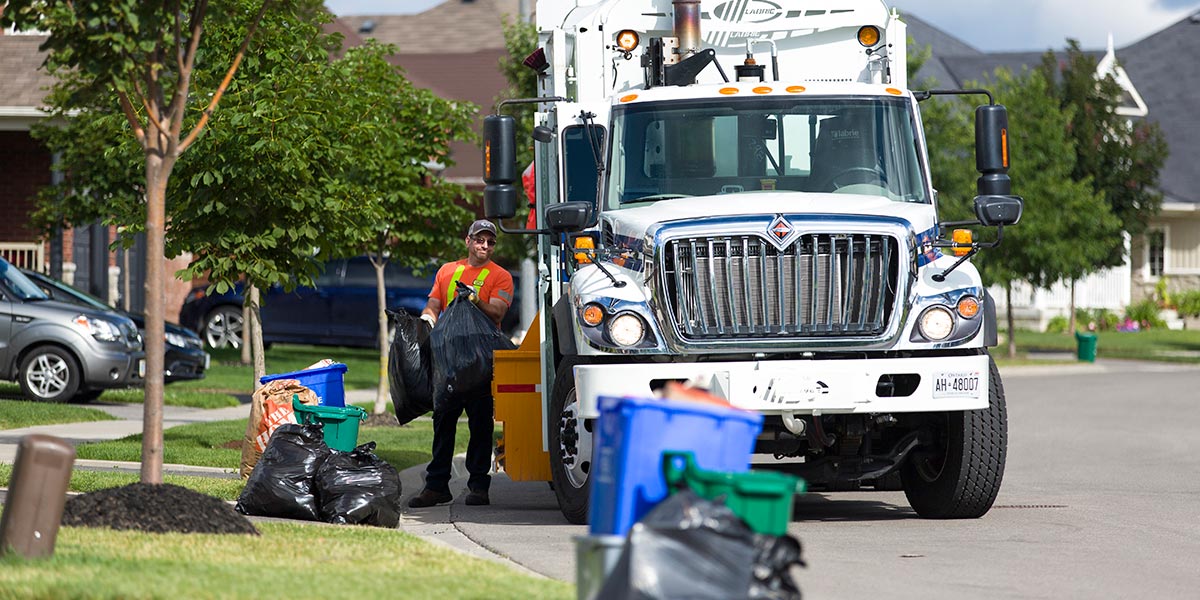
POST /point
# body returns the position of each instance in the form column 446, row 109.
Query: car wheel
column 959, row 475
column 50, row 374
column 570, row 447
column 223, row 327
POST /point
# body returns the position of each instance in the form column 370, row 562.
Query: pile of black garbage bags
column 300, row 477
column 690, row 547
column 434, row 367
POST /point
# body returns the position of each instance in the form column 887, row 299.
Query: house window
column 1156, row 252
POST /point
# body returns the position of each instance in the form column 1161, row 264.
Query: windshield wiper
column 654, row 197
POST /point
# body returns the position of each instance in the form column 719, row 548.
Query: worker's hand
column 428, row 318
column 474, row 298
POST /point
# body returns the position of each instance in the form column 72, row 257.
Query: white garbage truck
column 737, row 194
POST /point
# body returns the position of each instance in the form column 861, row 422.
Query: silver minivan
column 61, row 352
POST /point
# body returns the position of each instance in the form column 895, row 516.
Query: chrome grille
column 821, row 285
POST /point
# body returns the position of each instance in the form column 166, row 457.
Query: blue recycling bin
column 631, row 436
column 328, row 383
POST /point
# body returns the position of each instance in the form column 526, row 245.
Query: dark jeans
column 481, row 424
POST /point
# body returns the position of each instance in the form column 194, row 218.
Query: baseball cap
column 480, row 226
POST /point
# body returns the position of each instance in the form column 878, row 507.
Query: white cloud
column 995, row 25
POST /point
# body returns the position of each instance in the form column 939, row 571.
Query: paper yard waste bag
column 270, row 407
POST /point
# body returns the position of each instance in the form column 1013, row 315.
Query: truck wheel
column 959, row 477
column 223, row 327
column 570, row 447
column 50, row 374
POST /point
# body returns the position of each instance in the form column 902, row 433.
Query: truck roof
column 749, row 89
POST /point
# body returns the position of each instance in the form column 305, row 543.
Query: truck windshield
column 850, row 145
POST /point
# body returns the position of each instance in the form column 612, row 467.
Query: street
column 1099, row 500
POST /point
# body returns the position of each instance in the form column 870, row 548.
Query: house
column 1155, row 73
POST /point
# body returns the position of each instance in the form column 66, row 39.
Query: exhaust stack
column 687, row 26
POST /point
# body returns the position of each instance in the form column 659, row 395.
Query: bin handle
column 672, row 471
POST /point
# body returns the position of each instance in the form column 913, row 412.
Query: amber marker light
column 593, row 314
column 868, row 35
column 627, row 40
column 795, row 89
column 968, row 307
column 1004, row 147
column 729, row 90
column 894, row 91
column 762, row 90
column 629, row 98
column 962, row 237
column 584, row 243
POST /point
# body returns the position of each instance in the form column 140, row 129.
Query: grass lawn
column 15, row 414
column 1153, row 344
column 286, row 561
column 84, row 481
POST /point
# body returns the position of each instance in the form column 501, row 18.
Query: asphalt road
column 1101, row 499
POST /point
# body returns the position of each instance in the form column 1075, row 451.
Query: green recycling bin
column 1085, row 346
column 763, row 499
column 340, row 422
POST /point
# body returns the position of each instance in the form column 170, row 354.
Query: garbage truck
column 736, row 194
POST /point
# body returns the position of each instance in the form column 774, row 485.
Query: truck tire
column 50, row 374
column 960, row 478
column 570, row 446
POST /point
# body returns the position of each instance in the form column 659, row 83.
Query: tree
column 520, row 40
column 1121, row 157
column 144, row 54
column 1066, row 228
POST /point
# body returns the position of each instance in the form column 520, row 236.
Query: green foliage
column 1162, row 293
column 1120, row 159
column 520, row 40
column 1145, row 313
column 1058, row 324
column 1188, row 303
column 1067, row 228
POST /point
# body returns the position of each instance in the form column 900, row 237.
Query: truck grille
column 821, row 285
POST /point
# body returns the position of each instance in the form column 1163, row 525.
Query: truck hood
column 630, row 226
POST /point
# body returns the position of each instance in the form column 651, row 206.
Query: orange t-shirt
column 497, row 284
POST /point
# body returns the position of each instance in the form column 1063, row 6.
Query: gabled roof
column 23, row 82
column 455, row 26
column 1164, row 68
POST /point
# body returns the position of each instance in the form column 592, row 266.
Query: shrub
column 1057, row 324
column 1188, row 303
column 1145, row 313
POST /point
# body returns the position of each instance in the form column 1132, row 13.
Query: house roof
column 1164, row 70
column 23, row 82
column 461, row 26
column 1159, row 67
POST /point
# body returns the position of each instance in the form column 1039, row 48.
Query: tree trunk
column 158, row 169
column 1071, row 307
column 260, row 361
column 381, row 394
column 245, row 359
column 1012, row 340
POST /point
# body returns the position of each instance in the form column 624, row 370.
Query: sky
column 988, row 25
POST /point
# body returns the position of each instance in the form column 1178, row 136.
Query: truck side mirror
column 500, row 194
column 991, row 150
column 998, row 210
column 567, row 217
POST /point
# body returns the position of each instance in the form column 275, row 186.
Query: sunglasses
column 489, row 242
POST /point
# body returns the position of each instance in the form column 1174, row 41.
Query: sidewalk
column 434, row 524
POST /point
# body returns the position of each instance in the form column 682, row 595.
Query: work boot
column 429, row 497
column 475, row 498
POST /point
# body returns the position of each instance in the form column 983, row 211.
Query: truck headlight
column 100, row 329
column 627, row 329
column 936, row 323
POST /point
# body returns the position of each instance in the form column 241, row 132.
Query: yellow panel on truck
column 517, row 388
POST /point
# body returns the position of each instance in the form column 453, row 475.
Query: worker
column 493, row 293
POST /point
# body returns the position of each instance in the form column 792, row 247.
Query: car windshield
column 850, row 145
column 18, row 284
column 73, row 295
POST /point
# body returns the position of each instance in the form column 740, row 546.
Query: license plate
column 207, row 359
column 142, row 368
column 956, row 384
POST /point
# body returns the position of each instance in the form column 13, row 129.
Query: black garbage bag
column 410, row 371
column 358, row 487
column 462, row 344
column 281, row 484
column 689, row 547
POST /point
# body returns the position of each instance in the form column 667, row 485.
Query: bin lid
column 305, row 373
column 329, row 412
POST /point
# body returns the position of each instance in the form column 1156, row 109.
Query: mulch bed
column 162, row 508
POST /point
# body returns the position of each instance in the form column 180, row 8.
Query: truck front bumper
column 805, row 387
